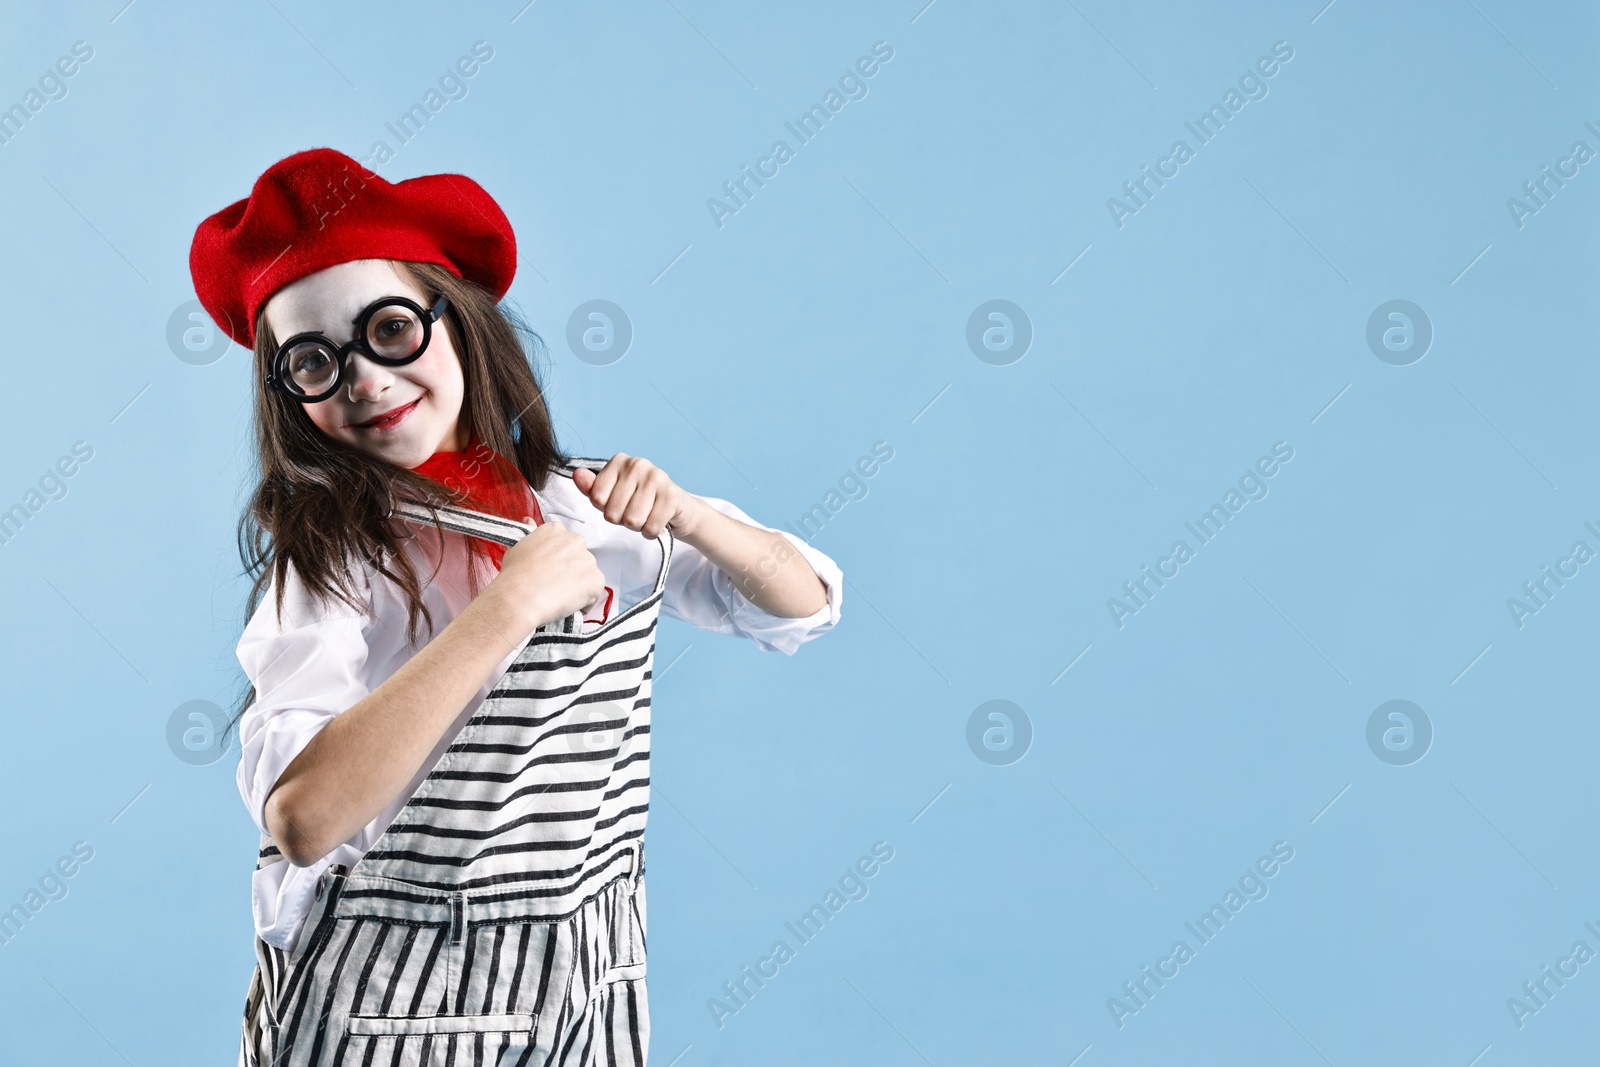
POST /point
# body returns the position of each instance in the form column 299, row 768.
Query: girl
column 451, row 638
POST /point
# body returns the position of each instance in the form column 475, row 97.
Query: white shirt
column 324, row 658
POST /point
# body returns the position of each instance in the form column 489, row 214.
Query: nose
column 365, row 380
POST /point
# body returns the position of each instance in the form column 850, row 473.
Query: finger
column 600, row 488
column 621, row 497
column 583, row 478
column 660, row 515
column 639, row 507
column 622, row 493
column 639, row 475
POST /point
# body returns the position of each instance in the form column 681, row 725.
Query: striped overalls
column 500, row 919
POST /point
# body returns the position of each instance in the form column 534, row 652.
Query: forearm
column 765, row 566
column 361, row 759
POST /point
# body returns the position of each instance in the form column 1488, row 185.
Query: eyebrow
column 360, row 310
column 376, row 300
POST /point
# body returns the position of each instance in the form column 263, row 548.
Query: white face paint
column 399, row 414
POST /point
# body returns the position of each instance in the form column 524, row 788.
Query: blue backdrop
column 1338, row 346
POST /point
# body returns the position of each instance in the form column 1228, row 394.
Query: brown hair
column 321, row 504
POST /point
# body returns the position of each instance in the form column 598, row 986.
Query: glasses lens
column 310, row 368
column 394, row 332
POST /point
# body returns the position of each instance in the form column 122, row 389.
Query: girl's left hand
column 633, row 492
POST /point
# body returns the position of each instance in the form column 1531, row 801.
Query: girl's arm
column 630, row 491
column 362, row 758
column 764, row 566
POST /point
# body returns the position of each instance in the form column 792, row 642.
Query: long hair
column 322, row 505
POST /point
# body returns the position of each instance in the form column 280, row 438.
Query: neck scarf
column 492, row 484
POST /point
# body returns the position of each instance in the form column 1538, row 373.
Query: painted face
column 399, row 414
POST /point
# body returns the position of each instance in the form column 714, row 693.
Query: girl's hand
column 547, row 575
column 633, row 492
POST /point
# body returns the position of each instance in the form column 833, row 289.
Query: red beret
column 318, row 208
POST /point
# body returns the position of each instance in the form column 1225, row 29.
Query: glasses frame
column 277, row 374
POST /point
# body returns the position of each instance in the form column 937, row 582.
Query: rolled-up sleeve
column 702, row 594
column 305, row 670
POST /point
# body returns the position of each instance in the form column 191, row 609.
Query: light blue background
column 823, row 317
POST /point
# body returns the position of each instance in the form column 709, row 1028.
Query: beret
column 318, row 208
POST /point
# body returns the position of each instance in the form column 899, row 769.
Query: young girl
column 451, row 640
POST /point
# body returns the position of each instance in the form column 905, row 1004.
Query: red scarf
column 493, row 485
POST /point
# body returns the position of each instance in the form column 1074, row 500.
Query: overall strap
column 501, row 531
column 505, row 532
column 509, row 531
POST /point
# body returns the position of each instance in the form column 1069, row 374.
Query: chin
column 407, row 451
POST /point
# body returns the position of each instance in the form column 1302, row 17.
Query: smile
column 389, row 419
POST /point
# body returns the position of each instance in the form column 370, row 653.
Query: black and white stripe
column 500, row 919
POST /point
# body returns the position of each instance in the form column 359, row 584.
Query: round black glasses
column 392, row 331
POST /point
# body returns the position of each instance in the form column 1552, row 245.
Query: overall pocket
column 487, row 1012
column 255, row 1010
column 627, row 961
column 429, row 1039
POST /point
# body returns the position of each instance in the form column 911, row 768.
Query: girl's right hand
column 547, row 575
